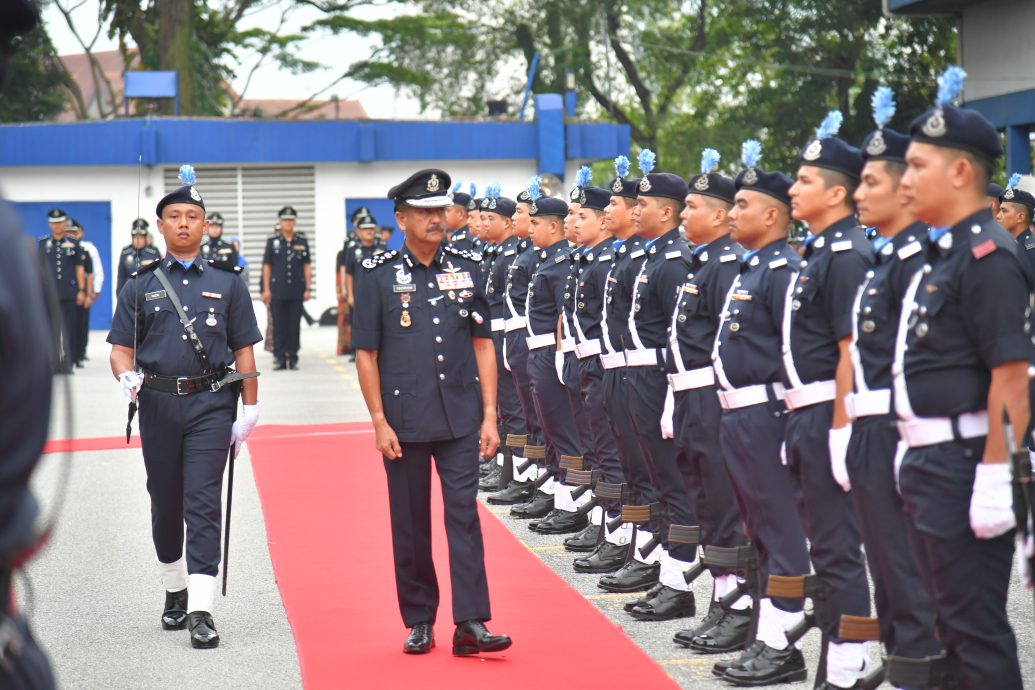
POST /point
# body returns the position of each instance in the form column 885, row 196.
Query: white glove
column 558, row 363
column 991, row 504
column 783, row 453
column 667, row 429
column 242, row 428
column 131, row 382
column 837, row 443
column 900, row 453
column 1025, row 552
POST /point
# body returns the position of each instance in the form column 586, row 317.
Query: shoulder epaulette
column 376, row 260
column 463, row 253
column 145, row 269
column 223, row 266
column 985, row 239
column 128, row 249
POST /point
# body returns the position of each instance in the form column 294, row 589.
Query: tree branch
column 625, row 60
column 609, row 105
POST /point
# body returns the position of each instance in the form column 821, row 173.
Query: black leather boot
column 634, row 576
column 768, row 667
column 538, row 507
column 491, row 481
column 203, row 633
column 729, row 634
column 174, row 617
column 584, row 541
column 606, row 558
column 564, row 522
column 517, row 492
column 667, row 604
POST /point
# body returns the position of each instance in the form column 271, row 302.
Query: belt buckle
column 216, row 385
column 181, row 385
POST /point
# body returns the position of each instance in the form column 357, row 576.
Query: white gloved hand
column 242, row 428
column 558, row 363
column 667, row 428
column 783, row 453
column 1025, row 552
column 837, row 443
column 900, row 453
column 991, row 503
column 131, row 382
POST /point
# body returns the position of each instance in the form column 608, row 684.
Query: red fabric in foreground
column 325, row 502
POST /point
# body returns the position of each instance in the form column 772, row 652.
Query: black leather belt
column 183, row 385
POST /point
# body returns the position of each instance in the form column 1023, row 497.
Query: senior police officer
column 692, row 410
column 747, row 368
column 905, row 616
column 428, row 374
column 136, row 255
column 188, row 324
column 215, row 246
column 61, row 259
column 287, row 276
column 961, row 360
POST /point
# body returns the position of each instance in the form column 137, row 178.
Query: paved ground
column 95, row 595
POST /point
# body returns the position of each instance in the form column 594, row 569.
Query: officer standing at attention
column 428, row 374
column 1016, row 214
column 993, row 193
column 94, row 270
column 904, row 612
column 216, row 248
column 747, row 368
column 961, row 361
column 187, row 324
column 287, row 275
column 457, row 219
column 366, row 244
column 692, row 411
column 136, row 255
column 61, row 259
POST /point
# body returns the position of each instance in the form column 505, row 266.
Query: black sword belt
column 187, row 385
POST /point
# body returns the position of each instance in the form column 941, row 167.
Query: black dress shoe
column 634, row 576
column 552, row 515
column 565, row 522
column 606, row 558
column 515, row 493
column 491, row 481
column 293, row 365
column 471, row 637
column 279, row 366
column 585, row 541
column 710, row 620
column 538, row 507
column 729, row 634
column 421, row 639
column 486, row 466
column 174, row 617
column 630, row 605
column 768, row 667
column 79, row 364
column 667, row 604
column 203, row 633
column 719, row 668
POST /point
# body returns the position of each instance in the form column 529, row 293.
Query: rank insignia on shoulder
column 842, row 246
column 777, row 263
column 472, row 256
column 984, row 249
column 379, row 259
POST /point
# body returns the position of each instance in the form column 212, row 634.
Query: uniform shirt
column 420, row 319
column 286, row 260
column 576, row 264
column 354, row 257
column 132, row 260
column 95, row 266
column 695, row 319
column 1026, row 247
column 59, row 259
column 820, row 308
column 546, row 290
column 589, row 293
column 748, row 344
column 461, row 239
column 655, row 290
column 496, row 287
column 967, row 317
column 211, row 293
column 488, row 256
column 219, row 250
column 879, row 305
column 519, row 276
column 618, row 293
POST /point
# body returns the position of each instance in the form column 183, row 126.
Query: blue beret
column 664, row 185
column 994, row 190
column 714, row 185
column 594, row 198
column 186, row 194
column 885, row 145
column 461, row 199
column 501, row 205
column 774, row 184
column 958, row 128
column 624, row 186
column 428, row 188
column 549, row 206
column 835, row 154
column 1018, row 196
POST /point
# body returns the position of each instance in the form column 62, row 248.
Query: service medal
column 404, row 320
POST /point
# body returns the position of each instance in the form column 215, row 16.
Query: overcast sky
column 335, row 52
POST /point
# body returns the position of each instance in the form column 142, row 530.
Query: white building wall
column 997, row 47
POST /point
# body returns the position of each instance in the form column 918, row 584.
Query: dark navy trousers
column 186, row 440
column 903, row 607
column 69, row 332
column 766, row 492
column 966, row 577
column 573, row 386
column 553, row 406
column 695, row 420
column 517, row 359
column 634, row 465
column 602, row 439
column 287, row 318
column 508, row 404
column 409, row 499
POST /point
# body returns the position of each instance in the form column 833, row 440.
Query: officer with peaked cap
column 457, row 219
column 747, row 369
column 428, row 373
column 692, row 409
column 136, row 255
column 367, row 244
column 961, row 361
column 287, row 276
column 189, row 325
column 214, row 246
column 905, row 616
column 61, row 259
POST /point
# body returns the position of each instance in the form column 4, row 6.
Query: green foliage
column 35, row 86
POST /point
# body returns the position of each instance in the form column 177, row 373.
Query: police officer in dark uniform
column 994, row 191
column 961, row 360
column 1016, row 214
column 82, row 311
column 457, row 218
column 215, row 247
column 693, row 411
column 365, row 245
column 428, row 373
column 187, row 324
column 136, row 255
column 287, row 276
column 61, row 259
column 748, row 372
column 905, row 616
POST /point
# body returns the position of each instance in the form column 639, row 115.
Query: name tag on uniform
column 637, row 254
column 674, row 254
column 298, row 247
column 908, row 250
column 777, row 263
column 404, row 288
column 727, row 257
column 213, row 295
column 454, row 281
column 690, row 289
column 151, row 296
column 842, row 246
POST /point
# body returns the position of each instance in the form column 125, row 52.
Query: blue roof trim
column 1010, row 109
column 206, row 141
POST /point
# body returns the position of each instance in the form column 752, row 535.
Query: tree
column 36, row 81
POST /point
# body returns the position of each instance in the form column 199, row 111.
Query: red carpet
column 325, row 502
